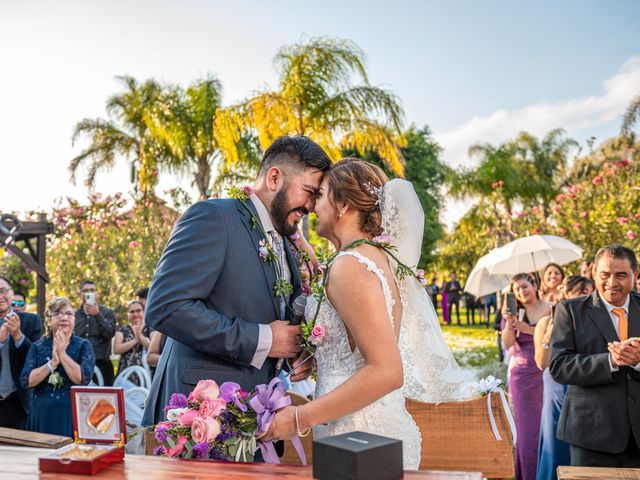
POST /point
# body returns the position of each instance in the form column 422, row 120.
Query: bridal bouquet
column 222, row 422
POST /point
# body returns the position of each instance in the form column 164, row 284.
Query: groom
column 212, row 294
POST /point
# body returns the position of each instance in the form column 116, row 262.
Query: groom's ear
column 274, row 179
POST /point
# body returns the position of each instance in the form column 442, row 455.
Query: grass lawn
column 474, row 347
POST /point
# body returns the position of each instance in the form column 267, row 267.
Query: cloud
column 580, row 115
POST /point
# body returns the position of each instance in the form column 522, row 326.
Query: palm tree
column 316, row 97
column 183, row 123
column 126, row 133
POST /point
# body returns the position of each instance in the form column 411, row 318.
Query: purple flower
column 158, row 450
column 263, row 251
column 230, row 392
column 178, row 400
column 161, row 434
column 384, row 239
column 247, row 189
column 201, row 450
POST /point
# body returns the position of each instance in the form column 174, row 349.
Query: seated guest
column 19, row 302
column 133, row 339
column 525, row 379
column 552, row 277
column 595, row 349
column 551, row 451
column 53, row 365
column 17, row 331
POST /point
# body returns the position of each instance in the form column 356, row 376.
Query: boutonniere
column 266, row 252
column 56, row 380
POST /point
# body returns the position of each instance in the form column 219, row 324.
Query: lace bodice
column 336, row 363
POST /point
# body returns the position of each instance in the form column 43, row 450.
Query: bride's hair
column 359, row 185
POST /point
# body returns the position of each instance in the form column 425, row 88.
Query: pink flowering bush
column 113, row 241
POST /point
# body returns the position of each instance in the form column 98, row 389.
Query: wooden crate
column 458, row 436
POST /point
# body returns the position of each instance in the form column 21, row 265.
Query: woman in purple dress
column 445, row 303
column 525, row 378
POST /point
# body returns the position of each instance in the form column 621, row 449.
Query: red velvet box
column 99, row 430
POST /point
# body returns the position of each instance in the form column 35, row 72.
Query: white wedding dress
column 431, row 374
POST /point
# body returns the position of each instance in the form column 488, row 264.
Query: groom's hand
column 286, row 339
column 305, row 370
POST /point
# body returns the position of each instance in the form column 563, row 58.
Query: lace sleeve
column 29, row 364
column 87, row 361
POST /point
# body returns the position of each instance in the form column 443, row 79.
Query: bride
column 383, row 340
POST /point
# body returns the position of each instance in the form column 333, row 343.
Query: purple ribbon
column 267, row 400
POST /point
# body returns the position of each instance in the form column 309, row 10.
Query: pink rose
column 212, row 407
column 597, row 180
column 133, row 244
column 187, row 417
column 622, row 220
column 631, row 235
column 204, row 429
column 205, row 389
column 637, row 216
column 317, row 334
column 559, row 197
column 174, row 452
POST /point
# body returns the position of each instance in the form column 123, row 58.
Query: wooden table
column 21, row 463
column 593, row 473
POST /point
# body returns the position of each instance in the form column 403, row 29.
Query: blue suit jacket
column 209, row 293
column 31, row 327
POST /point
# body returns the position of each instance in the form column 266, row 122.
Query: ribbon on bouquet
column 490, row 385
column 267, row 400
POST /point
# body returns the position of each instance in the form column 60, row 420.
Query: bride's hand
column 283, row 425
column 305, row 370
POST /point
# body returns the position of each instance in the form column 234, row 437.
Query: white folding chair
column 135, row 399
column 124, row 378
column 98, row 376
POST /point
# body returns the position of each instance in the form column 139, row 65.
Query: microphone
column 297, row 318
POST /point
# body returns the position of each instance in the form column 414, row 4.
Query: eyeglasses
column 4, row 291
column 18, row 303
column 63, row 314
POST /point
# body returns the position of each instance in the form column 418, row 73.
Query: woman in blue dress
column 551, row 451
column 54, row 364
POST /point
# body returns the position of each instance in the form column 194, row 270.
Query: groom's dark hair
column 297, row 151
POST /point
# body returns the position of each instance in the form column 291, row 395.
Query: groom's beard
column 280, row 211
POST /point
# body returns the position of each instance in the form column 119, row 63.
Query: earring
column 340, row 214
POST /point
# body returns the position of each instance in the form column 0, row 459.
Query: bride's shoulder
column 350, row 268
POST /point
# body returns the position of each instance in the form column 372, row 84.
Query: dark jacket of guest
column 31, row 327
column 601, row 408
column 99, row 330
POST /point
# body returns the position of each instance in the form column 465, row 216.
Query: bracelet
column 49, row 367
column 298, row 432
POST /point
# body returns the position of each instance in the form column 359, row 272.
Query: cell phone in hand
column 512, row 305
column 90, row 298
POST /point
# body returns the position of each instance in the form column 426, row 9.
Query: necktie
column 6, row 380
column 278, row 247
column 623, row 323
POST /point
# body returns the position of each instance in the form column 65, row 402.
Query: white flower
column 486, row 385
column 173, row 415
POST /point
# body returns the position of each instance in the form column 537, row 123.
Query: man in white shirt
column 595, row 349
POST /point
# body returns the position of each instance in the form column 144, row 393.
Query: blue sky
column 472, row 70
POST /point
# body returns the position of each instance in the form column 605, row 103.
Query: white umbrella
column 529, row 254
column 480, row 282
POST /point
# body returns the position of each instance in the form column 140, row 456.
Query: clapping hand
column 4, row 332
column 137, row 328
column 60, row 343
column 12, row 326
column 625, row 353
